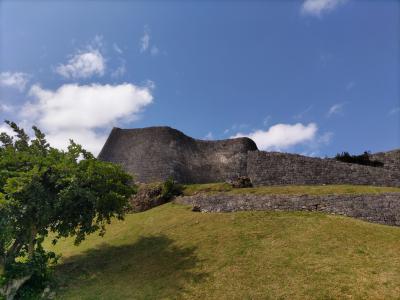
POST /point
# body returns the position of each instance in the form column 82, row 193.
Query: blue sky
column 315, row 77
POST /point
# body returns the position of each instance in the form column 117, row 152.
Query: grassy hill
column 340, row 189
column 170, row 252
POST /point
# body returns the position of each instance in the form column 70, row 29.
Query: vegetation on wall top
column 363, row 159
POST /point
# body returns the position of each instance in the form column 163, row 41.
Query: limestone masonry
column 156, row 153
column 377, row 208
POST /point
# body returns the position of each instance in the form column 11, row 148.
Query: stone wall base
column 378, row 208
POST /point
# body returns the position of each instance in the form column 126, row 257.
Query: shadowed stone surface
column 156, row 153
column 378, row 208
column 390, row 159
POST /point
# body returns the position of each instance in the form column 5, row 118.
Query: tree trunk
column 12, row 253
column 10, row 289
column 32, row 242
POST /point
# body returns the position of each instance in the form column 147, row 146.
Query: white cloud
column 335, row 109
column 117, row 48
column 6, row 108
column 83, row 65
column 146, row 45
column 154, row 50
column 209, row 136
column 236, row 127
column 145, row 40
column 96, row 43
column 16, row 80
column 301, row 114
column 319, row 7
column 266, row 120
column 120, row 71
column 282, row 136
column 150, row 84
column 84, row 112
column 86, row 62
column 7, row 129
column 325, row 138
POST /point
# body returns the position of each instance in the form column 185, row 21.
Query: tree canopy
column 44, row 189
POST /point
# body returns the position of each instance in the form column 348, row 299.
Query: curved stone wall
column 155, row 153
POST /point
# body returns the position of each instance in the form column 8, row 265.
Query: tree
column 362, row 159
column 43, row 190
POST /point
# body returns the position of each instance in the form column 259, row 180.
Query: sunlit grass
column 288, row 189
column 170, row 252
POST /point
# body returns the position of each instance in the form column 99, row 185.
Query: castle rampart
column 274, row 168
column 156, row 153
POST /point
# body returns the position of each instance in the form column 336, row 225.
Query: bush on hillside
column 363, row 159
column 155, row 194
column 241, row 182
column 171, row 189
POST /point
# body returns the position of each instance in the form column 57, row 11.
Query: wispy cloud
column 84, row 63
column 266, row 120
column 146, row 45
column 117, row 48
column 154, row 50
column 235, row 127
column 145, row 40
column 350, row 85
column 120, row 70
column 16, row 80
column 319, row 7
column 394, row 110
column 335, row 109
column 301, row 114
column 6, row 108
column 209, row 136
column 325, row 58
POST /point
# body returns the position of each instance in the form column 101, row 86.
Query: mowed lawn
column 170, row 252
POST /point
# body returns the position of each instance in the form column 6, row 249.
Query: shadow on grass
column 152, row 268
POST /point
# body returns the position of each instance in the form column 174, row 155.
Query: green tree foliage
column 170, row 188
column 363, row 159
column 43, row 190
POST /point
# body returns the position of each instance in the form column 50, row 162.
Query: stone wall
column 155, row 153
column 390, row 159
column 274, row 168
column 379, row 208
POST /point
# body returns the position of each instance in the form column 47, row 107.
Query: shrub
column 363, row 159
column 154, row 194
column 170, row 189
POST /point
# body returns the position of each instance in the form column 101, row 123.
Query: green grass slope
column 170, row 252
column 316, row 190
